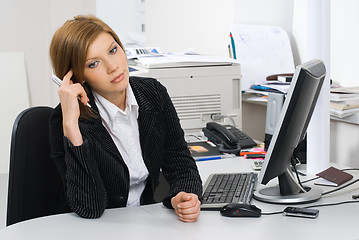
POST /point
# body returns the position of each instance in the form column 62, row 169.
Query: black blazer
column 95, row 175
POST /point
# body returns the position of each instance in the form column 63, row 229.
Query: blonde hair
column 69, row 48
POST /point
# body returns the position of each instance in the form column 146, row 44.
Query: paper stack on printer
column 187, row 58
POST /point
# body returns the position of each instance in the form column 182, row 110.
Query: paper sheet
column 261, row 51
column 183, row 60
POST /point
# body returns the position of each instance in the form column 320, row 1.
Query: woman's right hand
column 68, row 93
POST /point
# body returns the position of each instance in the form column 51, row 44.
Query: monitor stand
column 288, row 191
column 272, row 195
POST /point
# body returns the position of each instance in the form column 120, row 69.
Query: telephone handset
column 229, row 138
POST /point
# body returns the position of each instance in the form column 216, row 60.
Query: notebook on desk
column 206, row 150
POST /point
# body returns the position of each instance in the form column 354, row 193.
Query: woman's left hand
column 187, row 206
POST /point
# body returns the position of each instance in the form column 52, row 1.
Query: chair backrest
column 34, row 182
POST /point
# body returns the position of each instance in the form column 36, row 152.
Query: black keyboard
column 221, row 189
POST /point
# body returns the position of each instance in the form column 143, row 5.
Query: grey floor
column 3, row 199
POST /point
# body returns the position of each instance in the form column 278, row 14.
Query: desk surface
column 157, row 222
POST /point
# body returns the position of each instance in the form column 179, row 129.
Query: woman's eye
column 113, row 50
column 93, row 64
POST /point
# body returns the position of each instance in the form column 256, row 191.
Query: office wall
column 344, row 42
column 344, row 71
column 125, row 17
column 202, row 25
column 178, row 25
column 27, row 26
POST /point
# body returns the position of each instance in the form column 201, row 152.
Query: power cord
column 294, row 164
column 341, row 187
column 217, row 117
column 316, row 206
column 332, row 204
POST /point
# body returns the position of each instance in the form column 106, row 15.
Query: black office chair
column 35, row 185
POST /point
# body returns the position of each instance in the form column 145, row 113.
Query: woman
column 110, row 154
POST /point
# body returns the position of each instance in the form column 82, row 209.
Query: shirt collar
column 108, row 110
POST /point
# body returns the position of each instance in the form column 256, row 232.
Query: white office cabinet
column 198, row 92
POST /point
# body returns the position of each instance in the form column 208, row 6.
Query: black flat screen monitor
column 289, row 132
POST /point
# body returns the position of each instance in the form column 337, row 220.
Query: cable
column 316, row 206
column 220, row 117
column 191, row 135
column 341, row 187
column 331, row 204
column 295, row 170
column 309, row 180
column 272, row 213
column 350, row 169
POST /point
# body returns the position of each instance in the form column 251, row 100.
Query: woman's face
column 106, row 69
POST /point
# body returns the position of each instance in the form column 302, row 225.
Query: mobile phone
column 301, row 212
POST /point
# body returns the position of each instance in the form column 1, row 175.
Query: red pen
column 246, row 153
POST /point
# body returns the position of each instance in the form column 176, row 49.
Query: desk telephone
column 229, row 138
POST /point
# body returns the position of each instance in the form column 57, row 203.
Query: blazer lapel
column 146, row 122
column 105, row 140
column 95, row 128
column 147, row 116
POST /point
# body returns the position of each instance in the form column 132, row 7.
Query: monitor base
column 272, row 195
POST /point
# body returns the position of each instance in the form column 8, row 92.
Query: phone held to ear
column 229, row 138
column 58, row 81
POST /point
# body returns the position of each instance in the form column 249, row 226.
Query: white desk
column 158, row 222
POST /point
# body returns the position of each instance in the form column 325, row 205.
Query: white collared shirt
column 123, row 128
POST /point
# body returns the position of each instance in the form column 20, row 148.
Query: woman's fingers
column 74, row 90
column 187, row 206
column 67, row 78
column 190, row 215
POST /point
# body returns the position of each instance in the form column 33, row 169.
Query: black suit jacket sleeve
column 84, row 190
column 179, row 168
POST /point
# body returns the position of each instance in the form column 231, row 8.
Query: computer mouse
column 240, row 210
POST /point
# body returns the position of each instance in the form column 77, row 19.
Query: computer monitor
column 290, row 130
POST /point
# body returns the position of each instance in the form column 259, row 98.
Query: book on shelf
column 354, row 118
column 345, row 104
column 343, row 96
column 343, row 113
column 345, row 90
column 344, row 93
